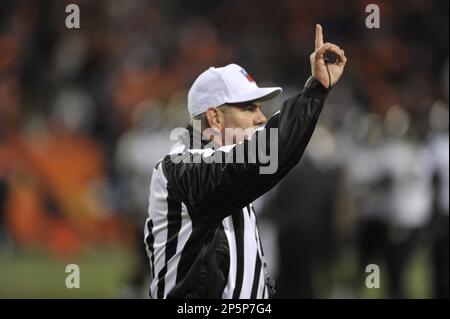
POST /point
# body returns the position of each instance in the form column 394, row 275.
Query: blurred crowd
column 86, row 113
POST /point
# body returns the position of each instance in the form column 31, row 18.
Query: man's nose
column 260, row 119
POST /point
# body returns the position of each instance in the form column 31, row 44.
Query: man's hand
column 318, row 63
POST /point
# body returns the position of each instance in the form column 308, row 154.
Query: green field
column 34, row 274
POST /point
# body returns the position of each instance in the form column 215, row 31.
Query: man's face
column 244, row 118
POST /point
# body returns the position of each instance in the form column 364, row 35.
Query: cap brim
column 259, row 94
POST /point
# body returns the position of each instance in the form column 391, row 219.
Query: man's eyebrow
column 246, row 104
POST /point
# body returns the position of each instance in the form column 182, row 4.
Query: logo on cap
column 247, row 75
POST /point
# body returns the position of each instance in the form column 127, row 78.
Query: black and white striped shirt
column 201, row 234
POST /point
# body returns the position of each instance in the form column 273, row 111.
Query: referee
column 201, row 235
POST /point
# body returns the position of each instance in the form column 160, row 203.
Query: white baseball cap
column 228, row 84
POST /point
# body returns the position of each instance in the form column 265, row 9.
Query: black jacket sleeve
column 212, row 190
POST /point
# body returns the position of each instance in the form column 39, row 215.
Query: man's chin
column 233, row 137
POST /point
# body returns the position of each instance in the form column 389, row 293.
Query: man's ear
column 215, row 118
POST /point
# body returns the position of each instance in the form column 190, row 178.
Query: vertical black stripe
column 149, row 242
column 256, row 276
column 238, row 224
column 173, row 228
column 257, row 272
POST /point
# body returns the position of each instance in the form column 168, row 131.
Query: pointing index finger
column 319, row 36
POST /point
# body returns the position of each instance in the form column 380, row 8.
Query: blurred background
column 86, row 113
